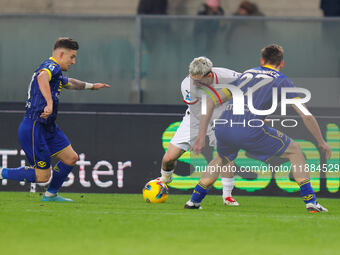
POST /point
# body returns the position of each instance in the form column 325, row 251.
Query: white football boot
column 315, row 208
column 230, row 201
column 192, row 205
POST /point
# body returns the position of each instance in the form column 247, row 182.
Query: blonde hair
column 200, row 66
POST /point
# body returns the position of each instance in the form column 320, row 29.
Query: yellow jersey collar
column 53, row 59
column 270, row 67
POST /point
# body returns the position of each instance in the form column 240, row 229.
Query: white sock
column 228, row 185
column 166, row 174
column 49, row 194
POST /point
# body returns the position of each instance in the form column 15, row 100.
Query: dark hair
column 272, row 54
column 251, row 8
column 66, row 43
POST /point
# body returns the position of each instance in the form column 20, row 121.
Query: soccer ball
column 155, row 191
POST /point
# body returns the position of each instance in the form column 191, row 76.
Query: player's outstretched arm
column 199, row 143
column 313, row 127
column 80, row 85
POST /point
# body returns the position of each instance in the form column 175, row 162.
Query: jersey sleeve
column 227, row 93
column 185, row 89
column 52, row 70
column 236, row 74
column 65, row 82
column 287, row 83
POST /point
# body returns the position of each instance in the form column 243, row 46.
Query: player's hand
column 47, row 111
column 97, row 86
column 198, row 145
column 325, row 148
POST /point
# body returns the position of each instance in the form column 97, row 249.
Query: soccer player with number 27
column 261, row 142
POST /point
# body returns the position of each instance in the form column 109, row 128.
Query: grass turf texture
column 125, row 224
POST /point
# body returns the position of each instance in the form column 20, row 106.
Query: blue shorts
column 40, row 143
column 262, row 143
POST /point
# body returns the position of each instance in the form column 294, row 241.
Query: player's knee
column 295, row 147
column 73, row 159
column 70, row 159
column 42, row 176
column 168, row 160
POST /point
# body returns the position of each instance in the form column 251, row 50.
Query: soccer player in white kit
column 192, row 91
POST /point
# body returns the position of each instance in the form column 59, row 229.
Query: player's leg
column 227, row 177
column 31, row 135
column 61, row 148
column 224, row 160
column 43, row 175
column 179, row 143
column 26, row 173
column 212, row 172
column 207, row 180
column 228, row 183
column 297, row 160
column 169, row 162
column 273, row 142
column 302, row 176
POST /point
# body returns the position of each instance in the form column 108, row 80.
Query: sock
column 60, row 173
column 49, row 194
column 228, row 185
column 199, row 193
column 307, row 192
column 23, row 173
column 167, row 173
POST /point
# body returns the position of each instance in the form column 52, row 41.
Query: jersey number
column 248, row 77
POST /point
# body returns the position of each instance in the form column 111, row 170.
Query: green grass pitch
column 125, row 224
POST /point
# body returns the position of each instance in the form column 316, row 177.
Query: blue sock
column 199, row 193
column 23, row 173
column 307, row 192
column 60, row 173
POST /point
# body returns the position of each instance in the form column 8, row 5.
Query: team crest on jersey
column 41, row 164
column 51, row 67
column 309, row 197
column 187, row 97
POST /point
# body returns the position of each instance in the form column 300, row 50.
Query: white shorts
column 186, row 134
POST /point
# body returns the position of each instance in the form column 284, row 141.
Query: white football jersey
column 192, row 94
